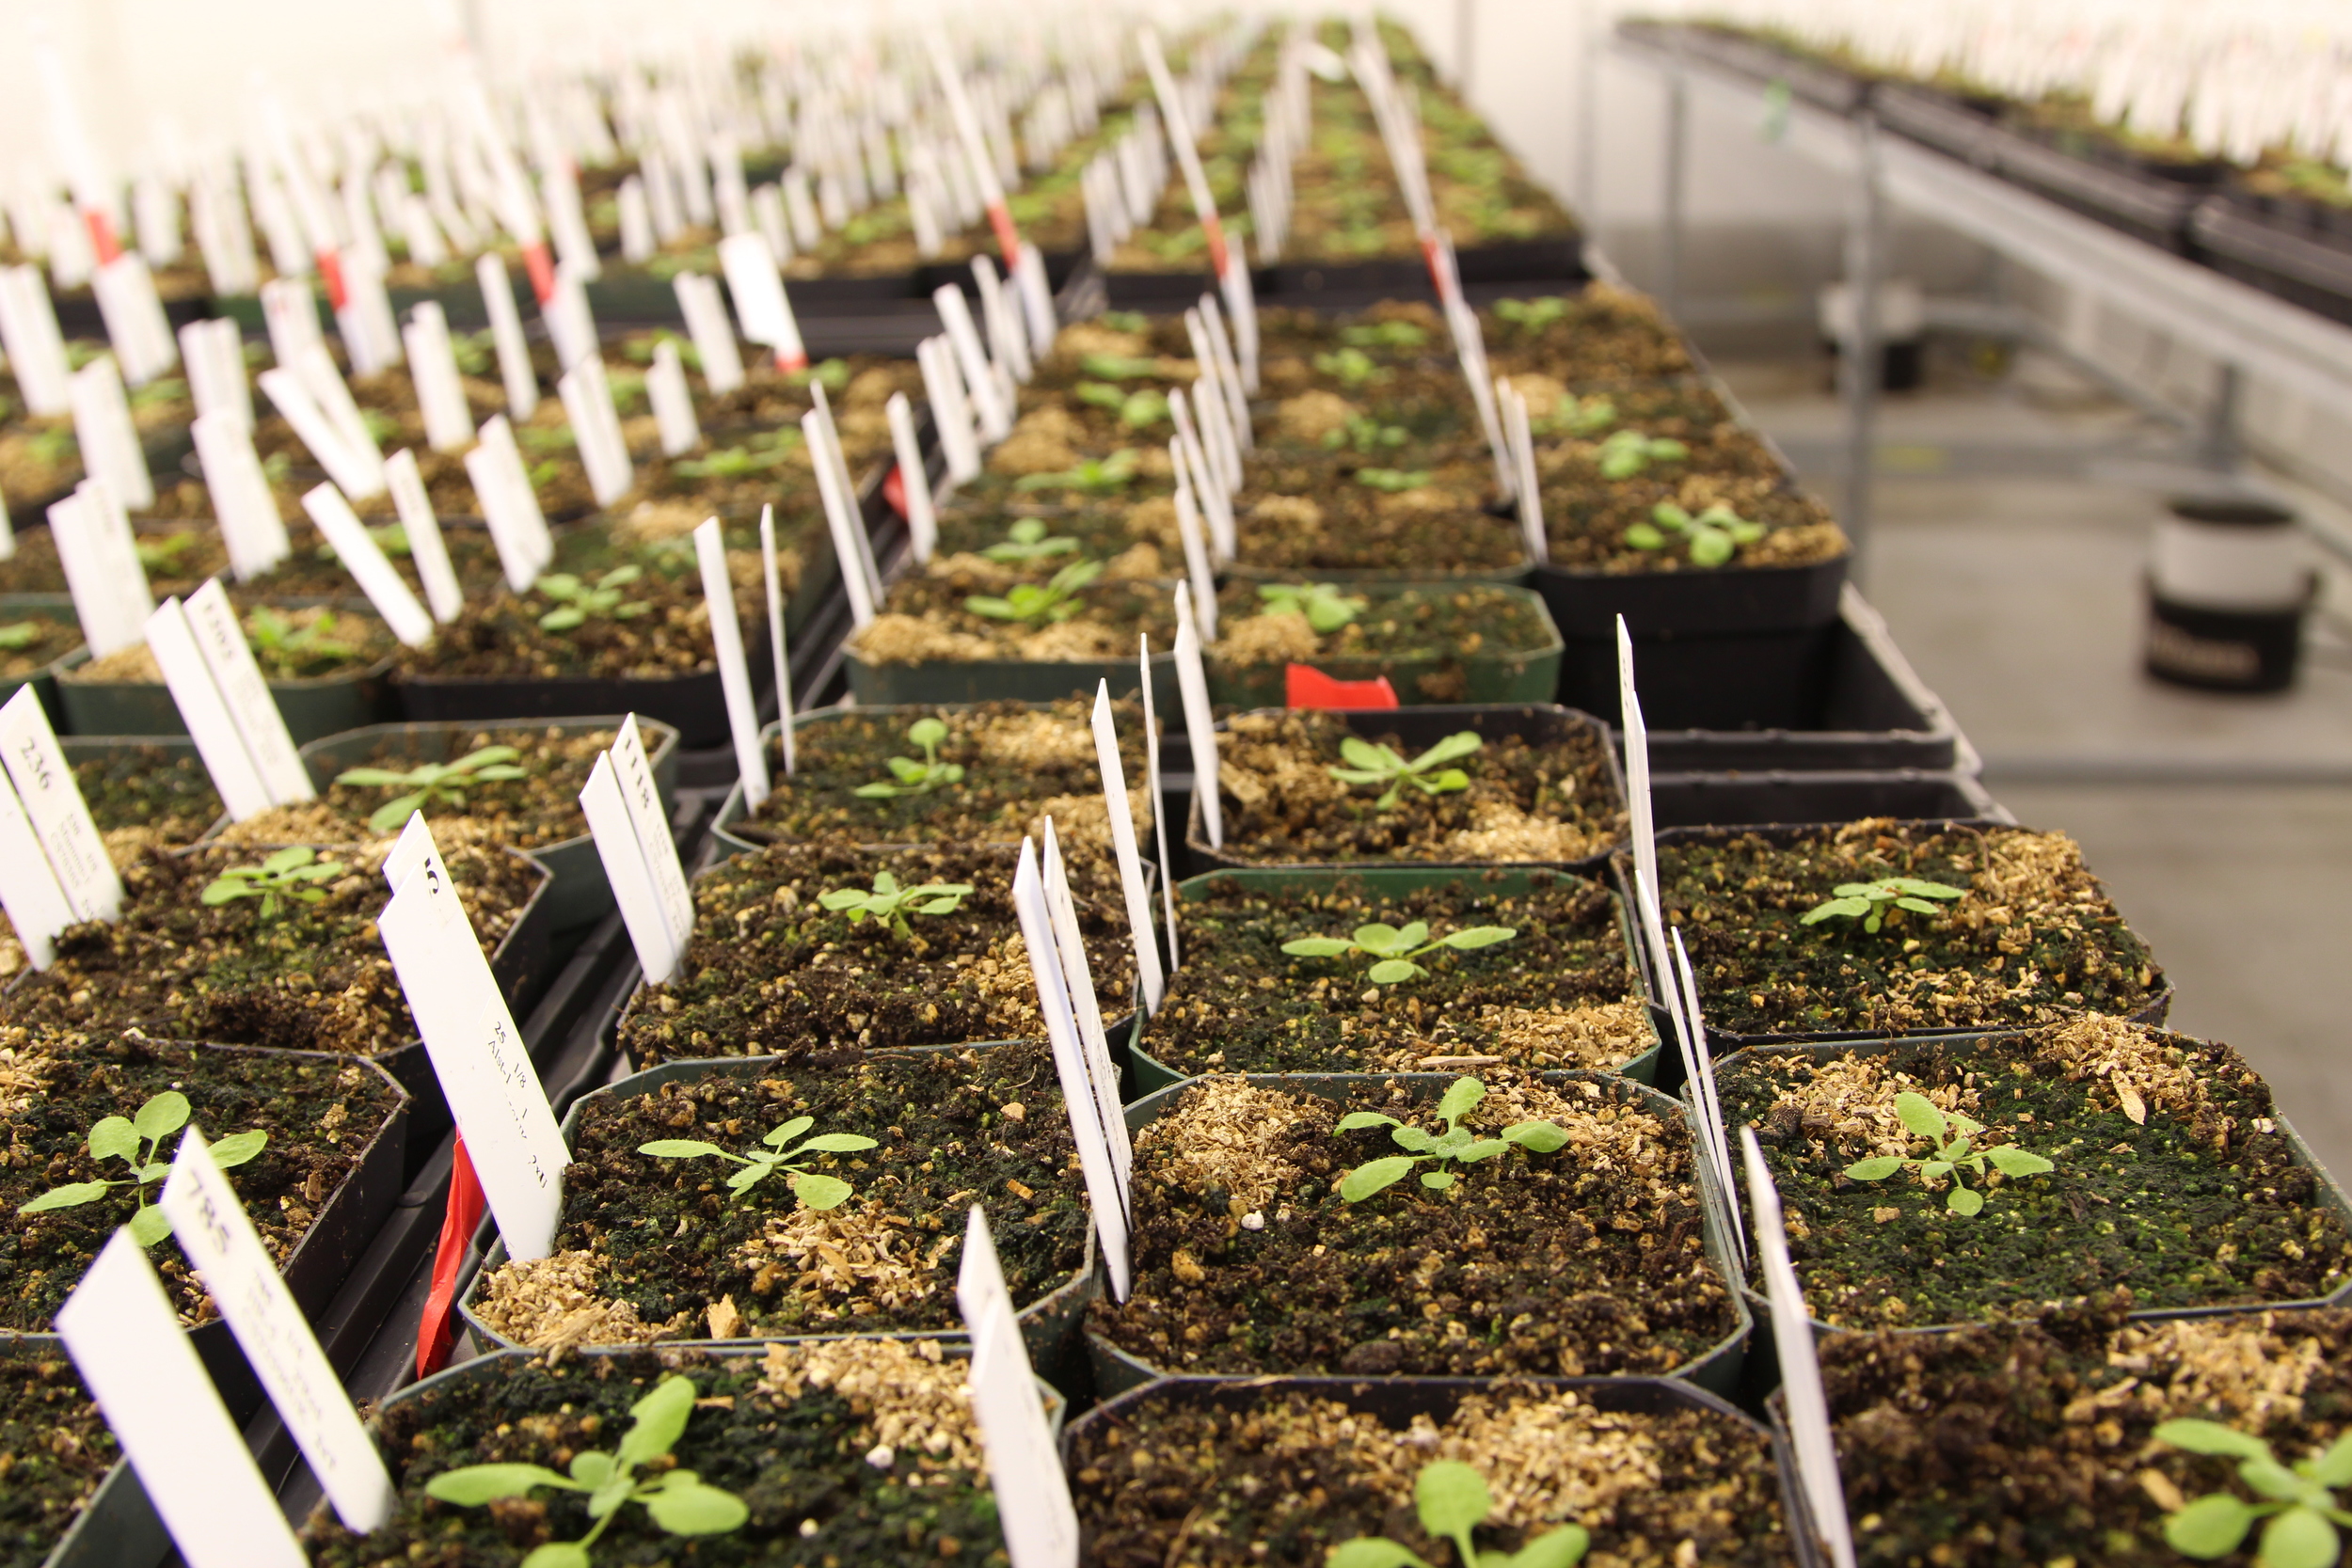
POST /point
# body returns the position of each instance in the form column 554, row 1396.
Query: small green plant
column 1375, row 763
column 1392, row 480
column 1366, row 436
column 298, row 645
column 889, row 904
column 1119, row 367
column 641, row 350
column 1325, row 607
column 52, row 448
column 1351, row 367
column 1456, row 1145
column 1384, row 335
column 916, row 778
column 576, row 602
column 1531, row 316
column 391, row 538
column 1949, row 1132
column 814, row 1189
column 2298, row 1500
column 1131, row 322
column 1027, row 540
column 164, row 552
column 1586, row 415
column 137, row 1141
column 1451, row 1500
column 769, row 449
column 1715, row 534
column 833, row 374
column 678, row 1500
column 1056, row 601
column 1397, row 948
column 1627, row 453
column 290, row 874
column 545, row 440
column 476, row 353
column 159, row 393
column 432, row 783
column 1140, row 409
column 21, row 635
column 1096, row 477
column 1870, row 901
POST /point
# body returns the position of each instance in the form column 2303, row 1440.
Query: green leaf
column 1564, row 1547
column 391, row 814
column 1392, row 972
column 660, row 1419
column 371, row 778
column 681, row 1148
column 1317, row 947
column 238, row 1147
column 1438, row 1180
column 1917, row 906
column 475, row 1484
column 166, row 1113
column 1874, row 1170
column 2270, row 1478
column 1935, row 1170
column 1368, row 1179
column 72, row 1195
column 843, row 899
column 2299, row 1538
column 818, row 1191
column 287, row 860
column 1479, row 936
column 148, row 1226
column 1914, row 886
column 1459, row 744
column 1965, row 1201
column 1536, row 1137
column 1711, row 546
column 778, row 1136
column 1640, row 536
column 2334, row 1467
column 878, row 792
column 1450, row 1498
column 1461, row 1097
column 835, row 1142
column 1372, row 759
column 2212, row 1438
column 1354, row 1119
column 559, row 1554
column 592, row 1467
column 1372, row 1551
column 1846, row 907
column 2011, row 1161
column 1414, row 1139
column 752, row 1175
column 114, row 1138
column 1380, row 938
column 1484, row 1148
column 695, row 1508
column 1918, row 1113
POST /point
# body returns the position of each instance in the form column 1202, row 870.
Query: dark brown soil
column 1319, row 513
column 143, row 796
column 1257, row 642
column 1554, row 802
column 790, row 1440
column 772, row 973
column 54, row 635
column 313, row 570
column 1604, row 333
column 2035, row 940
column 315, row 978
column 1283, row 1479
column 173, row 568
column 924, row 621
column 954, row 1127
column 2032, row 1443
column 2197, row 1201
column 321, row 1114
column 54, row 1448
column 1560, row 993
column 289, row 643
column 1246, row 1261
column 1585, row 517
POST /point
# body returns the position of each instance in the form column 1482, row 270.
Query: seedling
column 916, row 778
column 889, row 904
column 1140, row 409
column 290, row 874
column 678, row 1500
column 757, row 455
column 1715, row 534
column 1949, row 1132
column 1453, row 1501
column 1056, row 601
column 1627, row 453
column 21, row 635
column 297, row 644
column 432, row 783
column 163, row 552
column 1575, row 416
column 1871, row 900
column 160, row 393
column 833, row 373
column 1454, row 1145
column 814, row 1189
column 1373, row 764
column 1384, row 335
column 1366, row 436
column 1028, row 541
column 391, row 538
column 121, row 1138
column 1325, row 607
column 2299, row 1501
column 1101, row 477
column 1531, row 316
column 641, row 350
column 576, row 602
column 1127, row 321
column 1392, row 480
column 1351, row 367
column 1396, row 949
column 1119, row 367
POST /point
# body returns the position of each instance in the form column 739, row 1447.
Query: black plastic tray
column 2145, row 205
column 1555, row 262
column 2307, row 267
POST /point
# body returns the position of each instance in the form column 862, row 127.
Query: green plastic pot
column 13, row 607
column 318, row 707
column 1501, row 675
column 1717, row 1370
column 947, row 682
column 577, row 892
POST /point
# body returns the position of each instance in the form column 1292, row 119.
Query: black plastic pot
column 694, row 706
column 1717, row 602
column 1492, row 673
column 1420, row 728
column 311, row 708
column 1951, row 124
column 1117, row 1373
column 2225, row 650
column 1741, row 799
column 1815, row 81
column 42, row 681
column 2259, row 244
column 2135, row 198
column 1016, row 680
column 1555, row 262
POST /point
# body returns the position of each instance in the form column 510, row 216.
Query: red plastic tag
column 1304, row 686
column 1213, row 229
column 459, row 1221
column 331, row 270
column 541, row 266
column 1008, row 236
column 893, row 490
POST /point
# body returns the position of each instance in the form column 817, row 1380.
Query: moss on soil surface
column 54, row 1449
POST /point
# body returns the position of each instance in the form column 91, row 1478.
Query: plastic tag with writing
column 1123, row 845
column 588, row 404
column 841, row 517
column 774, row 577
column 440, row 391
column 1192, row 684
column 36, row 905
column 517, row 528
column 1033, row 1504
column 53, row 805
column 627, row 869
column 1521, row 440
column 1215, row 504
column 913, row 476
column 205, row 713
column 980, row 375
column 35, row 348
column 1228, row 371
column 217, row 1236
column 634, row 768
column 1197, row 567
column 140, row 1366
column 220, row 638
column 215, row 356
column 134, row 314
column 951, row 411
column 108, row 438
column 1158, row 793
column 1004, row 331
column 506, row 333
column 328, row 388
column 673, row 404
column 759, row 298
column 713, row 334
column 370, row 332
column 426, row 546
column 735, row 673
column 102, row 569
column 365, row 560
column 291, row 312
column 292, row 398
column 570, row 325
column 1700, row 1068
column 1079, row 974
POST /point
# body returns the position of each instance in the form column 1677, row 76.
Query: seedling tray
column 2143, row 204
column 1816, row 82
column 693, row 706
column 311, row 708
column 1523, row 674
column 1701, row 602
column 1554, row 262
column 1951, row 124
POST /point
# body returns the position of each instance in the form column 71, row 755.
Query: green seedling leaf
column 1482, row 1149
column 1564, row 1547
column 2300, row 1538
column 778, row 1137
column 681, row 1148
column 239, row 1148
column 165, row 1114
column 1356, row 1121
column 2334, row 1467
column 658, row 1420
column 1479, row 936
column 592, row 1469
column 1965, row 1201
column 835, row 1143
column 72, row 1195
column 114, row 1138
column 818, row 1191
column 1380, row 938
column 1461, row 1098
column 1536, row 1137
column 2011, row 1161
column 1451, row 1498
column 687, row 1507
column 1393, row 972
column 1317, row 947
column 1875, row 1170
column 558, row 1554
column 475, row 1484
column 1374, row 1176
column 2210, row 1527
column 1920, row 1113
column 1437, row 1181
column 1372, row 1552
column 147, row 1225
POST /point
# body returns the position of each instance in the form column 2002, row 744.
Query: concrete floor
column 2011, row 525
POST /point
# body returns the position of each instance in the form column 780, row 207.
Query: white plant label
column 1228, row 370
column 1700, row 1069
column 228, row 658
column 1648, row 912
column 140, row 1366
column 35, row 348
column 951, row 412
column 134, row 314
column 914, row 479
column 214, row 355
column 713, row 334
column 1800, row 1368
column 1033, row 1503
column 1079, row 974
column 760, row 300
column 1004, row 331
column 517, row 528
column 53, row 805
column 1521, row 440
column 772, row 575
column 102, row 569
column 631, row 873
column 1124, row 846
column 371, row 333
column 291, row 312
column 1215, row 504
column 235, row 775
column 841, row 518
column 365, row 558
column 1197, row 568
column 1158, row 796
column 478, row 1054
column 108, row 437
column 349, row 470
column 1192, row 684
column 570, row 326
column 634, row 767
column 426, row 546
column 735, row 671
column 1103, row 1190
column 440, row 390
column 218, row 1235
column 588, row 404
column 326, row 385
column 638, row 241
column 980, row 375
column 673, row 404
column 36, row 905
column 506, row 333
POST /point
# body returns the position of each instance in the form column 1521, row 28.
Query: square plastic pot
column 311, row 708
column 1702, row 602
column 1117, row 1373
column 2309, row 266
column 1775, row 795
column 693, row 706
column 1150, row 1074
column 1017, row 680
column 1527, row 674
column 44, row 680
column 1554, row 262
column 2143, row 204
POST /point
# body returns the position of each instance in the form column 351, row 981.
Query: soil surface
column 1020, row 764
column 320, row 1113
column 1602, row 333
column 925, row 621
column 500, row 638
column 1288, row 1476
column 172, row 566
column 287, row 643
column 771, row 972
column 2033, row 1443
column 1392, row 626
column 825, row 1444
column 651, row 1246
column 54, row 1449
column 147, row 797
column 2173, row 1177
column 53, row 634
column 1552, row 801
column 1586, row 1261
column 2036, row 938
column 1560, row 993
column 1320, row 513
column 313, row 978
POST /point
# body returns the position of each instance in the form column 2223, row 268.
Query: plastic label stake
column 134, row 314
column 1037, row 298
column 102, row 569
column 440, row 391
column 588, row 404
column 1153, row 979
column 250, row 527
column 214, row 355
column 841, row 518
column 426, row 546
column 53, row 804
column 349, row 470
column 36, row 905
column 213, row 621
column 1521, row 440
column 218, row 1235
column 774, row 577
column 1209, row 489
column 735, row 673
column 385, row 589
column 1197, row 568
column 626, row 868
column 760, row 299
column 108, row 438
column 324, row 383
column 980, row 375
column 1033, row 1503
column 517, row 528
column 35, row 348
column 507, row 332
column 713, row 334
column 633, row 768
column 140, row 1366
column 1004, row 332
column 1192, row 684
column 951, row 411
column 1078, row 974
column 1180, row 136
column 291, row 311
column 673, row 404
column 914, row 478
column 1702, row 1083
column 205, row 712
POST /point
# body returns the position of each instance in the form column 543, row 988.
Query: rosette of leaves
column 1140, row 409
column 1351, row 367
column 137, row 1141
column 291, row 873
column 1950, row 1133
column 1625, row 453
column 1369, row 763
column 1035, row 603
column 1361, row 433
column 1398, row 948
column 814, row 1188
column 1869, row 902
column 1451, row 1500
column 579, row 602
column 1713, row 536
column 1099, row 477
column 1392, row 480
column 889, row 904
column 1325, row 607
column 913, row 777
column 432, row 783
column 1027, row 540
column 1455, row 1146
column 2297, row 1500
